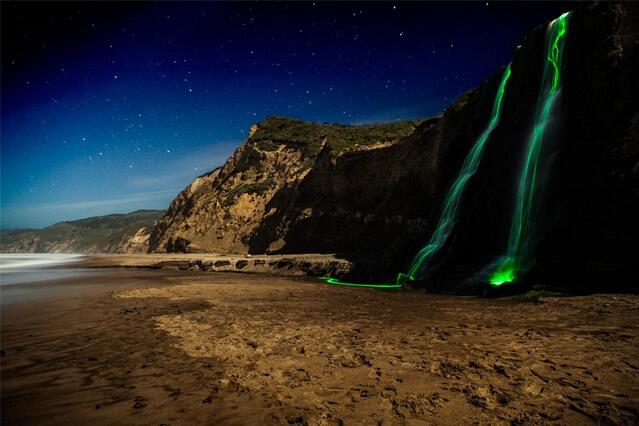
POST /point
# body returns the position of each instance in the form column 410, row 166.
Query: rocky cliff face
column 224, row 210
column 586, row 226
column 116, row 233
column 375, row 193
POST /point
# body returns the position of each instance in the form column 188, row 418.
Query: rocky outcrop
column 304, row 265
column 138, row 243
column 116, row 233
column 223, row 210
column 375, row 195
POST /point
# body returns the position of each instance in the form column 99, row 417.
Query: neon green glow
column 519, row 242
column 504, row 274
column 556, row 49
column 452, row 202
column 335, row 281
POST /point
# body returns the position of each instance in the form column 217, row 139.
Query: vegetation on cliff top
column 276, row 130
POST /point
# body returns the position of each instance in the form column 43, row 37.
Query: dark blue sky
column 111, row 107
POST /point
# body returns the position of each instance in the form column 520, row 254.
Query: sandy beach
column 183, row 347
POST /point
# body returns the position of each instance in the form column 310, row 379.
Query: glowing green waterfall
column 517, row 257
column 453, row 200
column 451, row 203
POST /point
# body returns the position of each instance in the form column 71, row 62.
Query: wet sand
column 182, row 348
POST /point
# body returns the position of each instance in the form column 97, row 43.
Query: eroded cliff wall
column 227, row 211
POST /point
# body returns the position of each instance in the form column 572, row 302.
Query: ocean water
column 30, row 260
column 26, row 268
column 33, row 277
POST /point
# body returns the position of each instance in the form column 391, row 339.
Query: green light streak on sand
column 335, row 281
column 452, row 202
column 519, row 242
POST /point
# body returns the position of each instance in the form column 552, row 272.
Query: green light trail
column 335, row 281
column 452, row 202
column 520, row 241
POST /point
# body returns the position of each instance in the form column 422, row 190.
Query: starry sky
column 113, row 107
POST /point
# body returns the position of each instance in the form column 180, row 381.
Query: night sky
column 115, row 107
